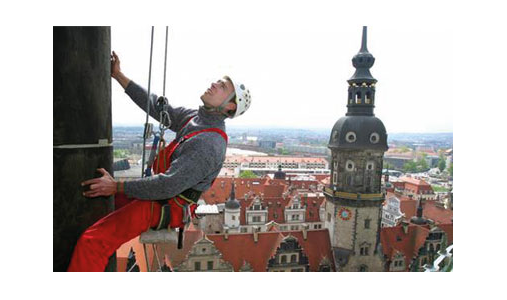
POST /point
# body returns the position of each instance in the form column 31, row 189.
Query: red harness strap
column 162, row 162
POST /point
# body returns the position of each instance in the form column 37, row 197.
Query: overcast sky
column 297, row 77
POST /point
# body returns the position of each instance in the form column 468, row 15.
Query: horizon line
column 293, row 128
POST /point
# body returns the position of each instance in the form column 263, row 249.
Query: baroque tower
column 231, row 212
column 354, row 198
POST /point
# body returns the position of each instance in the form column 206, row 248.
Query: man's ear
column 231, row 106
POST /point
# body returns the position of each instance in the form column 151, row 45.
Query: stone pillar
column 82, row 133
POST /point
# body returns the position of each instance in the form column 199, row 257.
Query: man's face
column 217, row 93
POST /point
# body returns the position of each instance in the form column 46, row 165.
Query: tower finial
column 363, row 42
column 233, row 192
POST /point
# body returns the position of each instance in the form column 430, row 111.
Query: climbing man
column 167, row 199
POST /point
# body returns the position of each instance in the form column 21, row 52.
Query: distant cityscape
column 404, row 148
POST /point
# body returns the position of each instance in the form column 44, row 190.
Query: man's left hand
column 103, row 186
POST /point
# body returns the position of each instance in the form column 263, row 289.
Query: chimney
column 404, row 224
column 305, row 231
column 255, row 233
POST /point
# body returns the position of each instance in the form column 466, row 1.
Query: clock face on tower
column 344, row 214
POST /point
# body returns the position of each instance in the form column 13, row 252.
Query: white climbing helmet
column 243, row 99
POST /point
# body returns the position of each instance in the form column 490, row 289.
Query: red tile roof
column 317, row 246
column 239, row 248
column 414, row 181
column 220, row 191
column 395, row 239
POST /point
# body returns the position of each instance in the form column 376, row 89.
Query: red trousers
column 103, row 238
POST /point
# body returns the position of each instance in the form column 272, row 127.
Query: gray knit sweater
column 194, row 164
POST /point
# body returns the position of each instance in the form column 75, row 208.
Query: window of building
column 424, row 261
column 210, row 265
column 349, row 165
column 203, row 250
column 293, row 258
column 233, row 218
column 197, row 266
column 367, row 223
column 294, row 228
column 283, row 259
column 363, row 251
column 243, row 229
column 256, row 218
column 363, row 268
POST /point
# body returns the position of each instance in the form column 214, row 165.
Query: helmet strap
column 221, row 107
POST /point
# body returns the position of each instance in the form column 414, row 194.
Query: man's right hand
column 115, row 65
column 116, row 71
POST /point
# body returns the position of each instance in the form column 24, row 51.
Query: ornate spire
column 232, row 203
column 363, row 42
column 361, row 96
column 363, row 61
column 233, row 192
column 419, row 219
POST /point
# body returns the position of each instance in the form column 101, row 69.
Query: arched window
column 293, row 258
column 363, row 268
column 283, row 259
column 368, row 99
column 358, row 97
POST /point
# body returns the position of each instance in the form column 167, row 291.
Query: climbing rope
column 165, row 120
column 146, row 124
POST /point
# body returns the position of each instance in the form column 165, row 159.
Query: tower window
column 350, row 137
column 349, row 165
column 358, row 98
column 374, row 138
column 368, row 99
column 370, row 165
